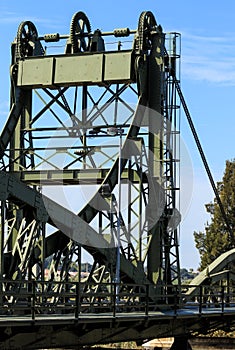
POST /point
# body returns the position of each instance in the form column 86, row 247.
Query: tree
column 216, row 239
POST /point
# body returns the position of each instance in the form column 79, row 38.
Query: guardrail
column 37, row 298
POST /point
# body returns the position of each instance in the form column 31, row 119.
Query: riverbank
column 199, row 343
column 213, row 343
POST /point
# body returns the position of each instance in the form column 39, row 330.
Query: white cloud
column 7, row 17
column 4, row 108
column 209, row 58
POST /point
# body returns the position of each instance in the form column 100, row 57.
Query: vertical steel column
column 84, row 119
column 2, row 237
column 155, row 155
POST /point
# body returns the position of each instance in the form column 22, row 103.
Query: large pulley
column 79, row 29
column 27, row 43
column 146, row 25
column 26, row 37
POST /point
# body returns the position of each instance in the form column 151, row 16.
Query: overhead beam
column 73, row 176
column 76, row 70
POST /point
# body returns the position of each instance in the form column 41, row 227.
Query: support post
column 181, row 343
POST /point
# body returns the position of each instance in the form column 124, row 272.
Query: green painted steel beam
column 73, row 177
column 11, row 122
column 76, row 70
column 210, row 273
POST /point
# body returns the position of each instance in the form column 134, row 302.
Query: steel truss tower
column 95, row 129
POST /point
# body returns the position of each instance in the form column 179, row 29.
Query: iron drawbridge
column 90, row 167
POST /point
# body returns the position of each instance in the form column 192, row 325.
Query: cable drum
column 121, row 32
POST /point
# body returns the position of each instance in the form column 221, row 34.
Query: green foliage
column 216, row 239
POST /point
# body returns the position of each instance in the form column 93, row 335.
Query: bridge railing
column 209, row 296
column 38, row 298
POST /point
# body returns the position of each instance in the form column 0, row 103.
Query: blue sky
column 207, row 75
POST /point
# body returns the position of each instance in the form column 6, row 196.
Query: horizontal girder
column 70, row 70
column 73, row 176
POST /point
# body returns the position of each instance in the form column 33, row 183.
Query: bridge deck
column 108, row 317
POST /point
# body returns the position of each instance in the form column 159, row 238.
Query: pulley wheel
column 79, row 29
